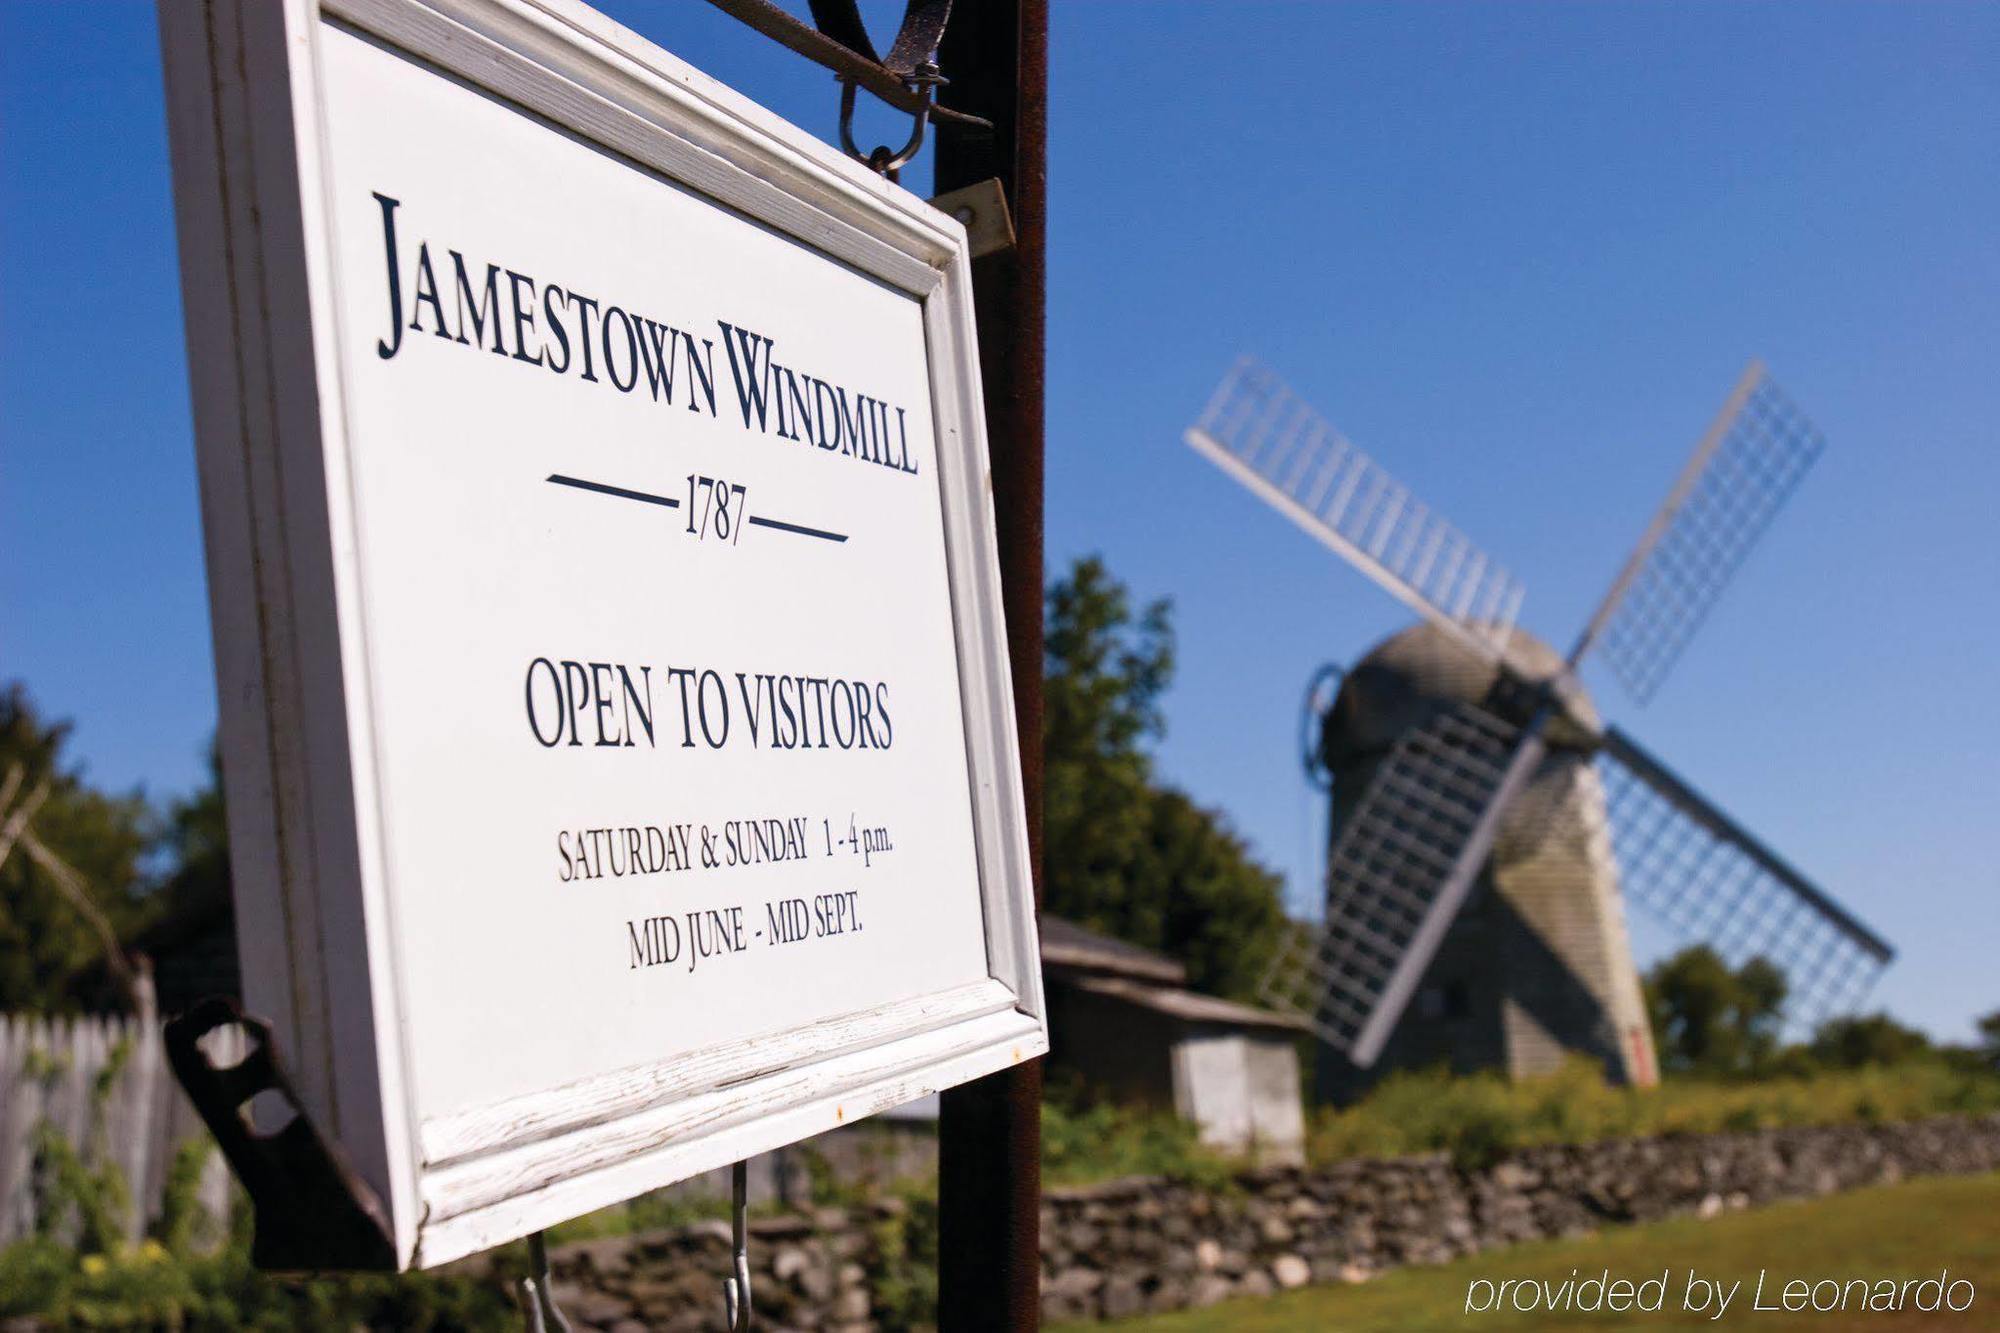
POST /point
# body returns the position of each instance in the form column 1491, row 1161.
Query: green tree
column 1988, row 1045
column 48, row 950
column 1100, row 708
column 1125, row 854
column 1859, row 1040
column 196, row 841
column 1713, row 1019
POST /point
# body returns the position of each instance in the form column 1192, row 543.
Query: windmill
column 1467, row 762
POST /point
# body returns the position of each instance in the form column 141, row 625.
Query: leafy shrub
column 903, row 1267
column 146, row 1286
column 1478, row 1118
column 184, row 1226
column 79, row 1194
column 1085, row 1140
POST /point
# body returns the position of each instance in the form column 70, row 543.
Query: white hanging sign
column 615, row 717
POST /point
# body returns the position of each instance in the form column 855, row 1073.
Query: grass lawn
column 1900, row 1231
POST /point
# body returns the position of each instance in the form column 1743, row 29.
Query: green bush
column 1085, row 1140
column 76, row 1271
column 184, row 1226
column 1479, row 1118
column 146, row 1286
column 79, row 1193
column 903, row 1263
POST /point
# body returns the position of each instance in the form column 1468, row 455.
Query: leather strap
column 916, row 41
column 841, row 43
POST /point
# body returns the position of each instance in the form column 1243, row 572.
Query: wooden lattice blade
column 1266, row 437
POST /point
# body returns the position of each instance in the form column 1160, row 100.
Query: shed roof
column 1068, row 945
column 1190, row 1007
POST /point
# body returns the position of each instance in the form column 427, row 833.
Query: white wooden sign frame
column 247, row 130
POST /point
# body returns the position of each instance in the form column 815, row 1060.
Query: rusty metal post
column 990, row 1132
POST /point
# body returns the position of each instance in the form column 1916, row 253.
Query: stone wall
column 1130, row 1246
column 814, row 1270
column 1137, row 1245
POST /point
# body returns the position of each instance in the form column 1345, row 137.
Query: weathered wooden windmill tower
column 1487, row 825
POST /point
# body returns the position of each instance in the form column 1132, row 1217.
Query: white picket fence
column 49, row 1070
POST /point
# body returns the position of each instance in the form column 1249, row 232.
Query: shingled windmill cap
column 1413, row 676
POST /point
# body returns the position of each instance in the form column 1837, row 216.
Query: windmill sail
column 1742, row 472
column 1407, row 856
column 1708, row 878
column 1270, row 440
column 1397, row 877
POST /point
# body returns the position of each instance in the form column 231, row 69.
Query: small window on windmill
column 1449, row 1002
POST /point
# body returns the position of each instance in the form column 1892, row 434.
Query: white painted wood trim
column 504, row 1195
column 449, row 1139
column 616, row 90
column 244, row 130
column 1013, row 948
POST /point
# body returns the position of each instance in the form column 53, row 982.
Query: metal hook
column 923, row 81
column 736, row 1290
column 543, row 1316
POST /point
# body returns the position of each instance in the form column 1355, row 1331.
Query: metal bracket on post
column 981, row 208
column 923, row 81
column 312, row 1210
column 912, row 62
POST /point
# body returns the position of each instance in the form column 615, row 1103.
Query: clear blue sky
column 1518, row 252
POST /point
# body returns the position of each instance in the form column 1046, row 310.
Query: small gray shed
column 1122, row 1020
